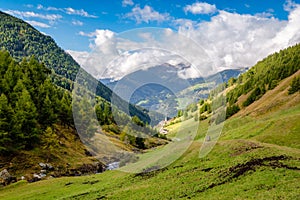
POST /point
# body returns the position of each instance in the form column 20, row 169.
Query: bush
column 295, row 85
column 231, row 110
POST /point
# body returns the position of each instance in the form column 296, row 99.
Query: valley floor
column 255, row 158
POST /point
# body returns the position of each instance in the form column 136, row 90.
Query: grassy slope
column 257, row 157
column 70, row 151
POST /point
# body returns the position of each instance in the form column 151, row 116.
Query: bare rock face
column 6, row 178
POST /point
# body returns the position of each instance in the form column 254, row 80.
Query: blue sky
column 73, row 17
column 232, row 33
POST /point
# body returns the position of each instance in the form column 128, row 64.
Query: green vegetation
column 256, row 157
column 36, row 120
column 244, row 164
column 295, row 85
column 21, row 40
column 265, row 75
column 29, row 103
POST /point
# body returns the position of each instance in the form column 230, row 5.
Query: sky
column 234, row 34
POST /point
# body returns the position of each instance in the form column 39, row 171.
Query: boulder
column 34, row 178
column 46, row 166
column 6, row 178
column 43, row 165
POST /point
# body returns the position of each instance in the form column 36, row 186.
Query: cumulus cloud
column 38, row 24
column 236, row 40
column 81, row 56
column 126, row 3
column 228, row 40
column 146, row 14
column 118, row 55
column 266, row 14
column 200, row 8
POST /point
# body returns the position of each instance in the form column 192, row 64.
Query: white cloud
column 81, row 56
column 236, row 40
column 81, row 12
column 119, row 55
column 127, row 3
column 77, row 23
column 146, row 14
column 289, row 5
column 289, row 34
column 38, row 24
column 69, row 11
column 39, row 6
column 228, row 40
column 29, row 14
column 85, row 34
column 200, row 8
column 102, row 36
column 266, row 14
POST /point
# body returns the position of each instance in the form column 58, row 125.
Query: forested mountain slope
column 21, row 40
column 264, row 76
column 36, row 123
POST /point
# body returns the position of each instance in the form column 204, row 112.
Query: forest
column 29, row 103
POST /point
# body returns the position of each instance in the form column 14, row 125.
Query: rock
column 46, row 166
column 42, row 175
column 49, row 166
column 43, row 165
column 43, row 171
column 35, row 178
column 4, row 174
column 6, row 178
column 22, row 177
column 112, row 166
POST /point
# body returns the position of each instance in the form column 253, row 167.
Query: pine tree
column 16, row 92
column 47, row 117
column 84, row 117
column 12, row 75
column 65, row 111
column 25, row 126
column 6, row 113
column 49, row 142
column 295, row 85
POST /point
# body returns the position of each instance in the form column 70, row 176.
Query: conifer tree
column 6, row 113
column 25, row 127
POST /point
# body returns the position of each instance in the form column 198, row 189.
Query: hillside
column 256, row 157
column 264, row 76
column 22, row 40
column 37, row 125
column 240, row 166
column 36, row 122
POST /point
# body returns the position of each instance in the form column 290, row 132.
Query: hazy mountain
column 162, row 86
